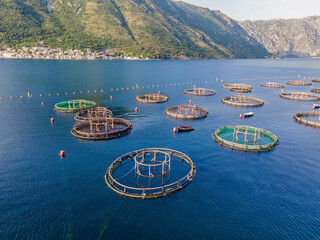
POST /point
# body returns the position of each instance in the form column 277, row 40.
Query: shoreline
column 44, row 53
column 77, row 59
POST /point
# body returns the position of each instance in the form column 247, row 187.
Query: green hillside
column 147, row 28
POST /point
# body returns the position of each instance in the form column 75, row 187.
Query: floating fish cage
column 245, row 138
column 317, row 80
column 95, row 112
column 272, row 85
column 150, row 173
column 186, row 112
column 152, row 98
column 242, row 101
column 300, row 96
column 73, row 105
column 101, row 128
column 298, row 83
column 300, row 118
column 200, row 92
column 315, row 90
column 238, row 87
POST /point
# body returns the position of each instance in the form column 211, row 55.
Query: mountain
column 143, row 28
column 287, row 38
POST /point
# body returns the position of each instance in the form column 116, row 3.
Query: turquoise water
column 246, row 137
column 235, row 195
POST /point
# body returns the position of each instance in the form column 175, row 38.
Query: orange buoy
column 42, row 103
column 95, row 91
column 190, row 101
column 158, row 92
column 111, row 97
column 174, row 130
column 61, row 154
column 52, row 120
column 240, row 94
column 49, row 94
column 194, row 86
column 240, row 116
column 101, row 90
column 314, row 107
column 40, row 95
column 136, row 109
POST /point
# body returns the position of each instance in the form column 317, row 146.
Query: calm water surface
column 235, row 195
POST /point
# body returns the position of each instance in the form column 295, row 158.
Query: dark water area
column 235, row 195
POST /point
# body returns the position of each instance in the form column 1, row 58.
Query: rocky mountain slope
column 143, row 28
column 287, row 38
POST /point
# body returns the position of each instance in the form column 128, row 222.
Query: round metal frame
column 138, row 157
column 186, row 112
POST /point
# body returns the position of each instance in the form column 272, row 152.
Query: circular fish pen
column 95, row 112
column 313, row 116
column 245, row 138
column 238, row 87
column 300, row 96
column 150, row 173
column 242, row 101
column 73, row 105
column 186, row 112
column 298, row 83
column 152, row 98
column 272, row 85
column 315, row 90
column 101, row 128
column 317, row 80
column 200, row 92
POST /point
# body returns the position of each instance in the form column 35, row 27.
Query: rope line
column 126, row 174
column 119, row 89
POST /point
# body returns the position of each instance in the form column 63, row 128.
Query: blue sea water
column 235, row 195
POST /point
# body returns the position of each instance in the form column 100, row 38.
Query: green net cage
column 73, row 105
column 245, row 138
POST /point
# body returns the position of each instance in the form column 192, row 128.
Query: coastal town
column 58, row 53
